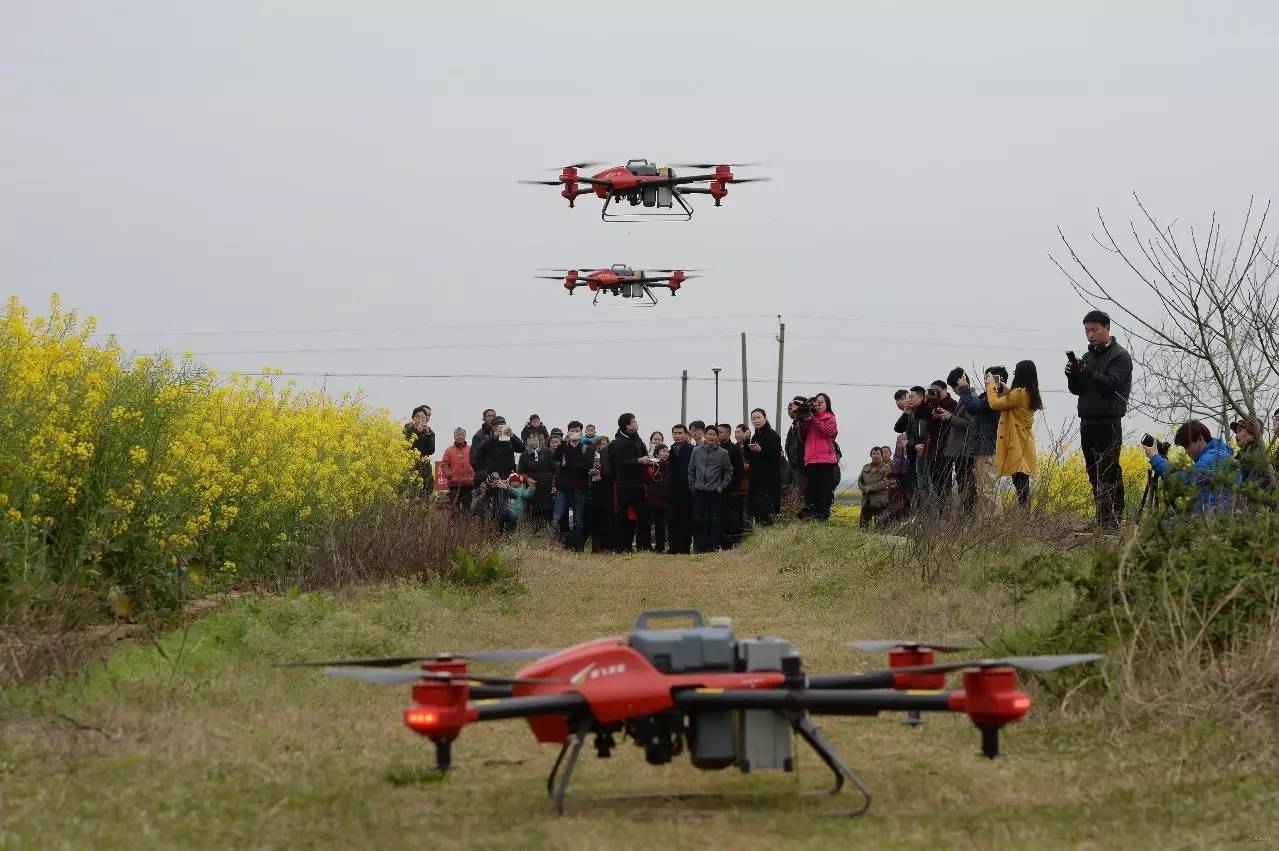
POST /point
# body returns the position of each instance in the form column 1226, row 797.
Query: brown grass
column 207, row 746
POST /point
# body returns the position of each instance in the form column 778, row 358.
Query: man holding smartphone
column 1102, row 379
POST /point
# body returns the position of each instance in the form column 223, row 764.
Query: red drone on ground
column 727, row 701
column 643, row 183
column 620, row 280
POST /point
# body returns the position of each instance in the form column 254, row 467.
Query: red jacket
column 820, row 432
column 456, row 465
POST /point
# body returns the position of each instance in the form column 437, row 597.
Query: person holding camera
column 538, row 467
column 418, row 434
column 573, row 461
column 941, row 467
column 818, row 429
column 1212, row 474
column 795, row 448
column 1015, row 440
column 983, row 431
column 1102, row 379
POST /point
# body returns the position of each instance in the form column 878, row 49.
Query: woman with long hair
column 1015, row 442
column 821, row 462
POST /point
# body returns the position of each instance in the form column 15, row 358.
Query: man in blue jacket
column 1213, row 473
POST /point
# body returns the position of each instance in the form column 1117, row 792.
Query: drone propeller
column 685, row 269
column 498, row 657
column 1035, row 664
column 749, row 180
column 383, row 677
column 885, row 646
column 575, row 269
column 715, row 165
column 541, row 182
column 575, row 165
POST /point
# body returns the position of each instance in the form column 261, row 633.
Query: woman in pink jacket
column 821, row 462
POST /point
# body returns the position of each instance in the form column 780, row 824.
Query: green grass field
column 198, row 743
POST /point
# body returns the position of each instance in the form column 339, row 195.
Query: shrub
column 138, row 478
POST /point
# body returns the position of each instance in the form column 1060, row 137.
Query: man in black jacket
column 765, row 450
column 679, row 499
column 731, row 513
column 573, row 461
column 1102, row 379
column 482, row 435
column 630, row 459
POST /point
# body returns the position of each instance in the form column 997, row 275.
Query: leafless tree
column 1208, row 343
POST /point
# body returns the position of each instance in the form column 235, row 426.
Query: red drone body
column 621, row 280
column 641, row 183
column 724, row 700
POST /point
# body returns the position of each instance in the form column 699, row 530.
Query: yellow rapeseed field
column 142, row 477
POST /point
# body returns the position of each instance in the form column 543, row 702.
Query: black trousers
column 1021, row 484
column 819, row 490
column 869, row 514
column 624, row 528
column 679, row 522
column 1101, row 443
column 762, row 500
column 656, row 529
column 941, row 473
column 964, row 481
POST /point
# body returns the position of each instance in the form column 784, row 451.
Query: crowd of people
column 700, row 492
column 710, row 484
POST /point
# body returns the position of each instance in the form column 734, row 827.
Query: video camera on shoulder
column 801, row 408
column 1163, row 447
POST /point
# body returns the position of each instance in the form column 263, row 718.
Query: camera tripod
column 1150, row 496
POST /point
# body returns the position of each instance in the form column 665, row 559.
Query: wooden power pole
column 781, row 354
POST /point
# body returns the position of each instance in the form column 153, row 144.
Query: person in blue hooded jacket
column 1213, row 474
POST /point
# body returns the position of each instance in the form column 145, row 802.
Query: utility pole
column 781, row 352
column 716, row 369
column 683, row 397
column 746, row 411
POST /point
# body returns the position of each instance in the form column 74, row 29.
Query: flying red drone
column 641, row 182
column 728, row 701
column 620, row 280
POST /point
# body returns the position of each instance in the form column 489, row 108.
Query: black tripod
column 1150, row 496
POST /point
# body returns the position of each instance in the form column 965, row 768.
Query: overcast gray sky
column 287, row 167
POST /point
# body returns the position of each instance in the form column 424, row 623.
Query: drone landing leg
column 809, row 734
column 555, row 769
column 578, row 739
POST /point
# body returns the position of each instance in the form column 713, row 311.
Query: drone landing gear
column 444, row 755
column 804, row 727
column 573, row 748
column 652, row 299
column 684, row 216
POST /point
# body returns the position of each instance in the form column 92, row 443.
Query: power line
column 423, row 376
column 501, row 345
column 388, row 329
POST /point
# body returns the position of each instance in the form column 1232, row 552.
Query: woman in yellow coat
column 1015, row 443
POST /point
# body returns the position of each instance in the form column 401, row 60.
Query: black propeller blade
column 715, row 165
column 885, row 646
column 498, row 657
column 383, row 677
column 540, row 182
column 685, row 269
column 1036, row 664
column 749, row 180
column 576, row 165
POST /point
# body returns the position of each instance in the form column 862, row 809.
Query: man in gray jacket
column 709, row 472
